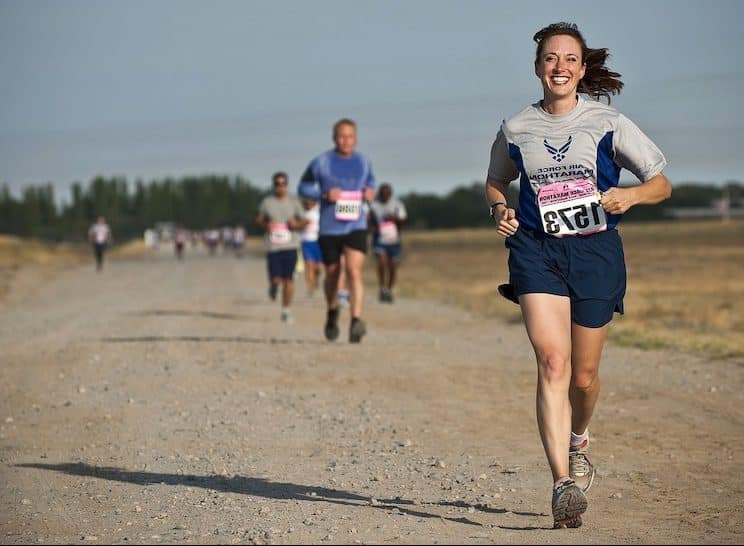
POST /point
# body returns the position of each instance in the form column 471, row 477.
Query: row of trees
column 196, row 202
column 212, row 201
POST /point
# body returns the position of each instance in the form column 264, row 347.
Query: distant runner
column 180, row 239
column 281, row 215
column 99, row 235
column 342, row 180
column 239, row 240
column 310, row 248
column 566, row 262
column 388, row 213
column 212, row 240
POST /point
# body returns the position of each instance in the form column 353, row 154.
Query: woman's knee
column 585, row 380
column 554, row 366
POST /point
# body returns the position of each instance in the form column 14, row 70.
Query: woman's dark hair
column 598, row 81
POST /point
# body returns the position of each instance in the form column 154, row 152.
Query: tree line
column 201, row 202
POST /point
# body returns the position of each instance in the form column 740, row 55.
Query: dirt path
column 165, row 402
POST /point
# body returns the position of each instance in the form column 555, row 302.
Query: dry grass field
column 43, row 259
column 685, row 281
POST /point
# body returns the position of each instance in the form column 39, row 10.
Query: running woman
column 342, row 180
column 310, row 248
column 388, row 213
column 281, row 215
column 99, row 235
column 566, row 262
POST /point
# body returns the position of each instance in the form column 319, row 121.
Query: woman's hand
column 507, row 223
column 618, row 200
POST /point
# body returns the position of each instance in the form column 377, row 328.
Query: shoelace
column 580, row 462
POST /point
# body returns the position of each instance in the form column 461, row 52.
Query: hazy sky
column 154, row 88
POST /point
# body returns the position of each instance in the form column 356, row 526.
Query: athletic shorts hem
column 332, row 246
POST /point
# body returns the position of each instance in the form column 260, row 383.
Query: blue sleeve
column 370, row 182
column 309, row 186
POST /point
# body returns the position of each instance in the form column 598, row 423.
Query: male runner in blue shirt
column 342, row 181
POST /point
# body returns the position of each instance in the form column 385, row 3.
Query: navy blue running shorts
column 588, row 269
column 282, row 264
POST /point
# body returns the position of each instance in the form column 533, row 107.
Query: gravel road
column 163, row 401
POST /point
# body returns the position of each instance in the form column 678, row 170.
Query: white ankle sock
column 578, row 439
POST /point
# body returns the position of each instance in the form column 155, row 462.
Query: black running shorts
column 331, row 246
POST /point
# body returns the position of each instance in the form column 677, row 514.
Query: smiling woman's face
column 560, row 67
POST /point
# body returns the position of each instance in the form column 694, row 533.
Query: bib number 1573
column 571, row 208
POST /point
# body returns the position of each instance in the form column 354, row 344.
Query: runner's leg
column 354, row 269
column 587, row 344
column 381, row 270
column 330, row 285
column 287, row 292
column 547, row 318
column 311, row 279
column 393, row 270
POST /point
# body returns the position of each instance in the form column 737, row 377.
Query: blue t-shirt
column 349, row 174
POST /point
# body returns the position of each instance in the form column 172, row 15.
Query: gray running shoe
column 580, row 468
column 357, row 330
column 569, row 502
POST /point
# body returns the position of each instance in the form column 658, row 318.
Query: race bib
column 388, row 233
column 279, row 234
column 349, row 206
column 571, row 208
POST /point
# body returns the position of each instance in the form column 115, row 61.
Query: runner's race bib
column 279, row 234
column 388, row 233
column 349, row 206
column 571, row 208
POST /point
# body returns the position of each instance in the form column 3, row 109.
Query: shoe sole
column 568, row 510
column 356, row 332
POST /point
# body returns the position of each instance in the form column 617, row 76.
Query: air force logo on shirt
column 559, row 154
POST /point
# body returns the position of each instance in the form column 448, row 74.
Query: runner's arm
column 635, row 151
column 654, row 190
column 370, row 184
column 262, row 218
column 309, row 186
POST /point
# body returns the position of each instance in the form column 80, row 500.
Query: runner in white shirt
column 311, row 253
column 99, row 236
column 239, row 240
column 387, row 215
column 566, row 262
column 179, row 241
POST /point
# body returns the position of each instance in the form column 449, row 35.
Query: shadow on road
column 188, row 313
column 261, row 487
column 212, row 339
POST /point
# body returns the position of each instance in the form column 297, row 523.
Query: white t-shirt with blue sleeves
column 592, row 142
column 349, row 174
